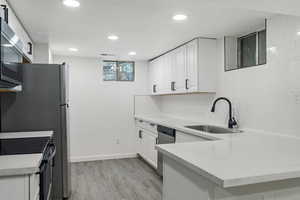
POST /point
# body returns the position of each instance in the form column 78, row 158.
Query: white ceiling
column 144, row 26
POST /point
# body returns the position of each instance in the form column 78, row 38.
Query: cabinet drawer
column 147, row 125
column 141, row 123
column 152, row 127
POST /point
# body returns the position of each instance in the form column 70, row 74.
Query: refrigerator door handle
column 65, row 104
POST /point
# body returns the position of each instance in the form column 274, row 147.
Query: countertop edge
column 193, row 167
column 27, row 169
column 18, row 172
column 236, row 182
column 284, row 176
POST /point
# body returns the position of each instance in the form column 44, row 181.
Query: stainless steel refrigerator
column 43, row 104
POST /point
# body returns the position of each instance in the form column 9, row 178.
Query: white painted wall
column 265, row 97
column 42, row 53
column 101, row 115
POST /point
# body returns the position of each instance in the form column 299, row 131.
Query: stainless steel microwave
column 10, row 57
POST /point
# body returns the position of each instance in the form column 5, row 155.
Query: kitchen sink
column 214, row 129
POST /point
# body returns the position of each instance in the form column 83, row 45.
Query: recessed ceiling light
column 73, row 49
column 113, row 37
column 179, row 17
column 71, row 3
column 298, row 33
column 132, row 53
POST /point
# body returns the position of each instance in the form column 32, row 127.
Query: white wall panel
column 101, row 115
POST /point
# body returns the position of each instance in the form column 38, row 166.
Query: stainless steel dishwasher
column 165, row 136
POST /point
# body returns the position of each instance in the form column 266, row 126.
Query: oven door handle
column 53, row 149
column 51, row 157
column 43, row 166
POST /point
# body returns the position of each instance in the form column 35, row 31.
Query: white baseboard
column 101, row 157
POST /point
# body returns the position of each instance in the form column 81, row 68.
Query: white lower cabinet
column 146, row 146
column 22, row 187
column 34, row 186
column 182, row 137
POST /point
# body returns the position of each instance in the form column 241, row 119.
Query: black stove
column 30, row 145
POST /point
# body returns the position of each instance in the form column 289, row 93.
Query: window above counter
column 247, row 49
column 118, row 70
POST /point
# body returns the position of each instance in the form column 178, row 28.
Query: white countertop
column 179, row 124
column 234, row 160
column 11, row 165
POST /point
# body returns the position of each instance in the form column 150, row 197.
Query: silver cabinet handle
column 173, row 85
column 154, row 88
column 186, row 84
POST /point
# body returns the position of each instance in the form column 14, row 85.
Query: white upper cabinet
column 207, row 65
column 19, row 30
column 178, row 70
column 160, row 75
column 187, row 69
column 191, row 81
column 166, row 74
column 155, row 76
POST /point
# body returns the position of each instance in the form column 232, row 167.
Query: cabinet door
column 146, row 146
column 178, row 69
column 139, row 135
column 28, row 47
column 152, row 150
column 34, row 182
column 14, row 187
column 191, row 82
column 165, row 76
column 184, row 137
column 153, row 77
column 159, row 72
column 19, row 30
column 151, row 153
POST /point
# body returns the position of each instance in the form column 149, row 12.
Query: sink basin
column 214, row 129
